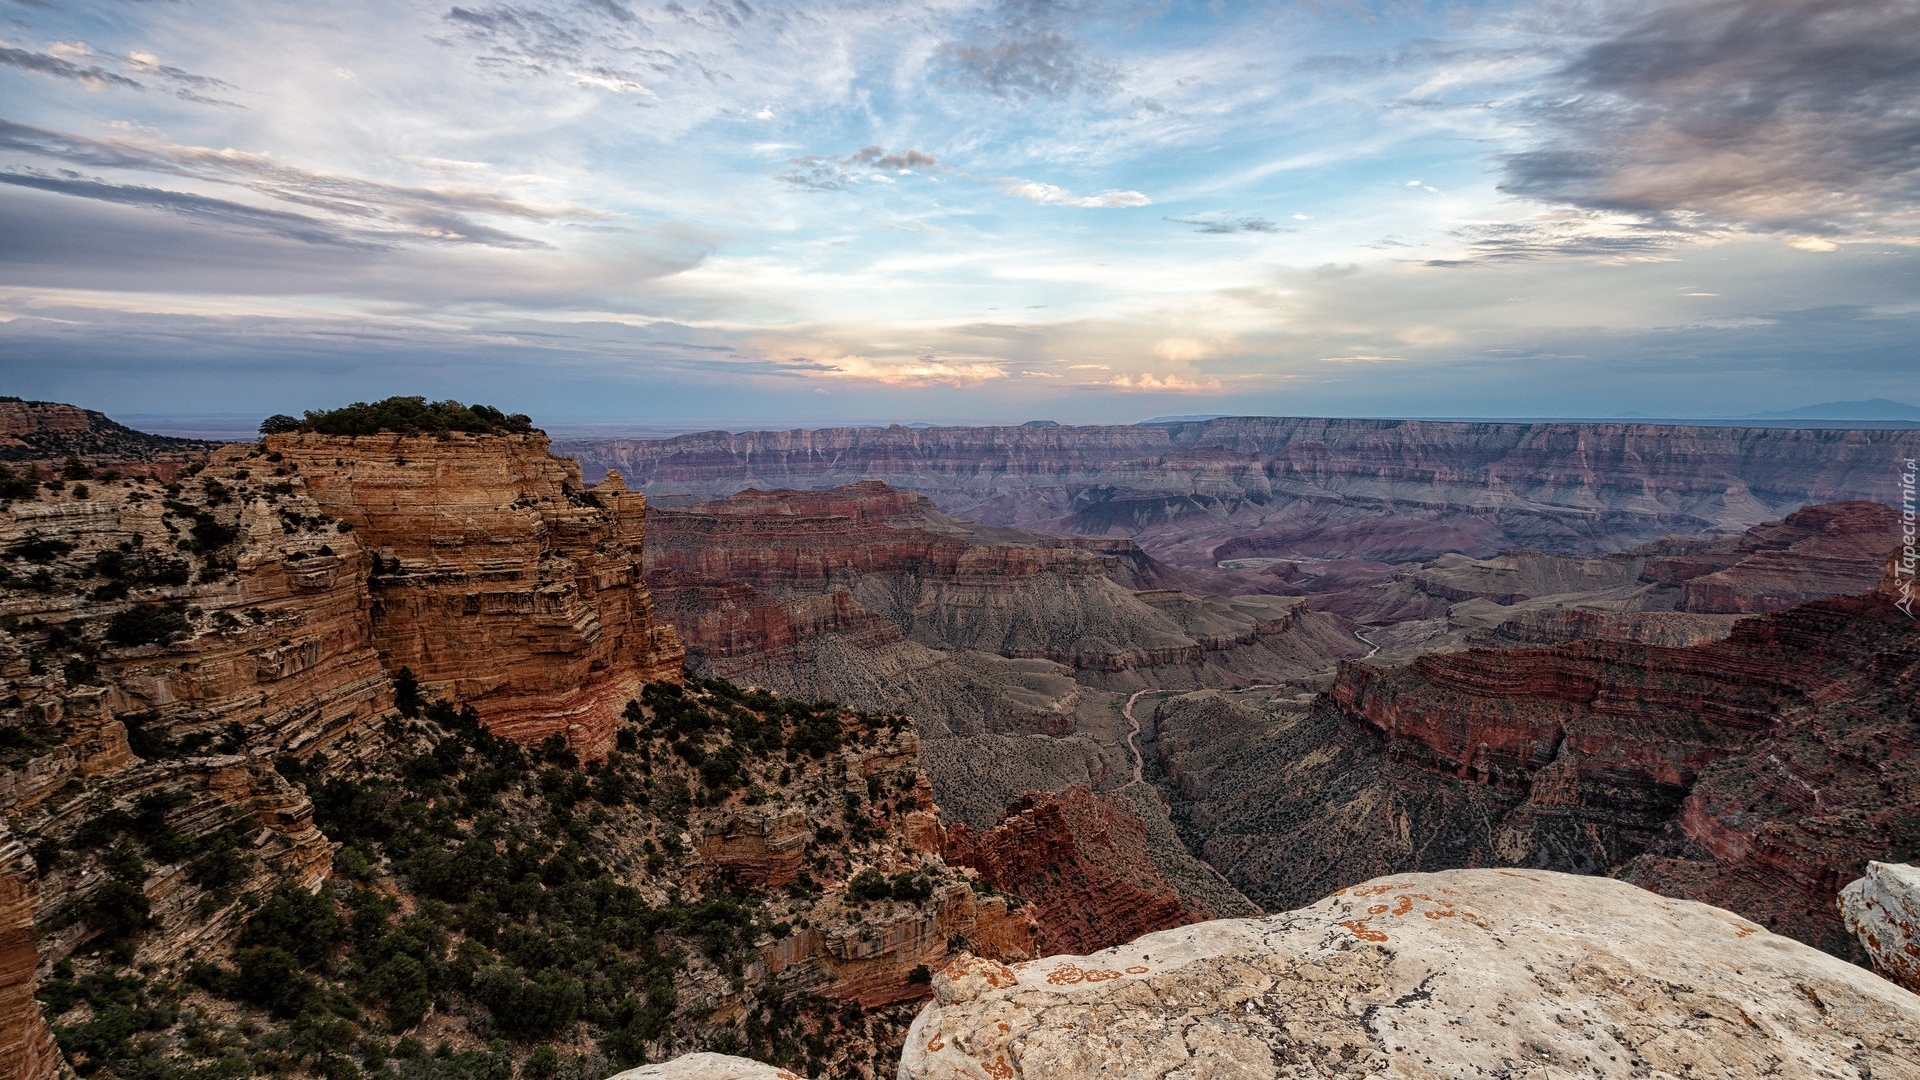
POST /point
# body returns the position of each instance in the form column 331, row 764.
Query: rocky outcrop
column 1759, row 773
column 500, row 582
column 1470, row 972
column 27, row 1051
column 1882, row 908
column 1393, row 490
column 708, row 1067
column 1083, row 863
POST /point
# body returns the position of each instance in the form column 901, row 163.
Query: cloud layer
column 963, row 208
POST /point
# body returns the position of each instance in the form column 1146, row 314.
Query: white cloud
column 1052, row 195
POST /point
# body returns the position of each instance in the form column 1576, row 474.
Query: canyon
column 1196, row 493
column 263, row 675
column 434, row 682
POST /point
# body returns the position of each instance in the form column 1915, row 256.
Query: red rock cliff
column 500, row 582
column 1082, row 862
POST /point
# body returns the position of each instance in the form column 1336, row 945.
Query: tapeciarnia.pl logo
column 1904, row 566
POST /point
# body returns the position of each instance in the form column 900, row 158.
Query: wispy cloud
column 58, row 68
column 1227, row 224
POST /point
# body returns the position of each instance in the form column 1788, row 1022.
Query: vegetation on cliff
column 497, row 909
column 401, row 416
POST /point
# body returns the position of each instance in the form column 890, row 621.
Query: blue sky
column 756, row 212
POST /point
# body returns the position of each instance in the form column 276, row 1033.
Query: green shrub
column 869, row 885
column 408, row 416
column 118, row 910
column 144, row 624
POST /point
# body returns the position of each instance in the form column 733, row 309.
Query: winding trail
column 1133, row 735
column 1365, row 640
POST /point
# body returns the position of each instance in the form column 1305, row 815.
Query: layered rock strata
column 1393, row 490
column 1083, row 863
column 1882, row 908
column 499, row 581
column 1674, row 591
column 1458, row 974
column 1759, row 773
column 869, row 595
column 27, row 1051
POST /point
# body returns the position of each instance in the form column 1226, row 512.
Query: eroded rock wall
column 499, row 581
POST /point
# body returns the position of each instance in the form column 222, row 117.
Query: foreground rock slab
column 1466, row 973
column 708, row 1067
column 1883, row 909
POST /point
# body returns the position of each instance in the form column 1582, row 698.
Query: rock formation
column 500, row 582
column 43, row 435
column 868, row 595
column 1393, row 490
column 1882, row 909
column 1674, row 591
column 1759, row 773
column 707, row 1067
column 1464, row 973
column 1083, row 863
column 27, row 1051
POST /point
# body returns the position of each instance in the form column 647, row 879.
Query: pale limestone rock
column 1883, row 909
column 1467, row 973
column 708, row 1067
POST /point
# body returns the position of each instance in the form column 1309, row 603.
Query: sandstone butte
column 499, row 581
column 1455, row 975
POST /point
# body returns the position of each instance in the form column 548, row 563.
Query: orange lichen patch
column 1746, row 931
column 1375, row 890
column 1376, row 909
column 997, row 975
column 1510, row 873
column 1137, row 970
column 1002, row 1025
column 1362, row 931
column 936, row 1044
column 1069, row 974
column 999, row 1069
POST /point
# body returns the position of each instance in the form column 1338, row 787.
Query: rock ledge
column 1467, row 973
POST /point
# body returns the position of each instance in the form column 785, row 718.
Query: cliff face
column 1465, row 973
column 1759, row 773
column 27, row 1051
column 1394, row 490
column 499, row 582
column 1083, row 862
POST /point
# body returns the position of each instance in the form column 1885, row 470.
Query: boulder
column 1883, row 910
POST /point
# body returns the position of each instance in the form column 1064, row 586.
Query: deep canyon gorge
column 390, row 753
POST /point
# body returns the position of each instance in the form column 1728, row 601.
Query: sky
column 745, row 211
